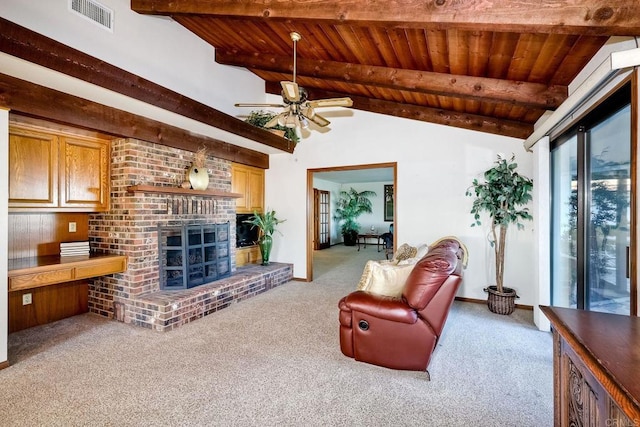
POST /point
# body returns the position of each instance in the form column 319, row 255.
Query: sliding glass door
column 591, row 188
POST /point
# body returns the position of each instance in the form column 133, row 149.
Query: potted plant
column 349, row 207
column 261, row 118
column 502, row 195
column 266, row 223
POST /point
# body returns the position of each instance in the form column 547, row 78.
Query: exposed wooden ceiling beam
column 425, row 114
column 595, row 17
column 34, row 100
column 534, row 95
column 23, row 43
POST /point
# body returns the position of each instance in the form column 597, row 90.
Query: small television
column 246, row 234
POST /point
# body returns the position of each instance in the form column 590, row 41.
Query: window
column 590, row 210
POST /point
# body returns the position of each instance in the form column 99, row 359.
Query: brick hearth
column 130, row 228
column 166, row 310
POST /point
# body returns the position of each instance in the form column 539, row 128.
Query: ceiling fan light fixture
column 291, row 121
column 298, row 110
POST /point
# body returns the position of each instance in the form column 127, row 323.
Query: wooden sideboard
column 596, row 368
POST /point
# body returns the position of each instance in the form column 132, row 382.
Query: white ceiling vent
column 93, row 11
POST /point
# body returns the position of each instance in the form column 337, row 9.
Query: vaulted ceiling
column 493, row 66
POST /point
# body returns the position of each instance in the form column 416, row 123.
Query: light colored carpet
column 275, row 360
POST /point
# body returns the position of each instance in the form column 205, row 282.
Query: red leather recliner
column 401, row 333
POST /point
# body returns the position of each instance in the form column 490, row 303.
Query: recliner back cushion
column 428, row 275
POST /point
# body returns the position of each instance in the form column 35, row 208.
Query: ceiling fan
column 298, row 110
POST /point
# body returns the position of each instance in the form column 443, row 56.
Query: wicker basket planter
column 501, row 302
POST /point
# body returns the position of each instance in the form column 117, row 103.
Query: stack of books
column 74, row 248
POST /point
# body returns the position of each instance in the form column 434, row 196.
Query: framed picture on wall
column 388, row 202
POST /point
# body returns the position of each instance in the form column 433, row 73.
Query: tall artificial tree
column 502, row 195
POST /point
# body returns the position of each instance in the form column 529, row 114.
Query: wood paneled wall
column 50, row 303
column 39, row 234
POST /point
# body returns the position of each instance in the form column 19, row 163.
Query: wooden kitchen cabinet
column 84, row 178
column 33, row 169
column 56, row 171
column 249, row 182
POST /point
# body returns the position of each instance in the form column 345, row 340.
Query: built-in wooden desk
column 27, row 273
column 48, row 288
column 596, row 368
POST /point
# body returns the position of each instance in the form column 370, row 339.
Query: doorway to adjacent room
column 320, row 203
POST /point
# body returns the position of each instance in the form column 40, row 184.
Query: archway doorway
column 340, row 175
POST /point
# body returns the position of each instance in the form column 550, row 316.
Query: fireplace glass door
column 193, row 255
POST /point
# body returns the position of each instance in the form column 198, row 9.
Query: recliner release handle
column 363, row 325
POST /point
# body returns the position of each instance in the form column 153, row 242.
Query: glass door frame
column 626, row 92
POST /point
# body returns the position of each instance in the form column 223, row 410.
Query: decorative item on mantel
column 197, row 174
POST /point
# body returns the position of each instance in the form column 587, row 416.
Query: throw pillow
column 366, row 276
column 405, row 251
column 387, row 279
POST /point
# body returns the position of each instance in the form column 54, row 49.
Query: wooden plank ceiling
column 492, row 66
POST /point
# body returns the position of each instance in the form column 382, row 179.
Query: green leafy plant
column 349, row 207
column 502, row 195
column 261, row 118
column 266, row 222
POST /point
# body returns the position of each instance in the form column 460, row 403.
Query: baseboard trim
column 300, row 279
column 4, row 365
column 479, row 301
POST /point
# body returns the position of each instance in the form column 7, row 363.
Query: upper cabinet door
column 84, row 182
column 249, row 182
column 240, row 184
column 33, row 169
column 55, row 171
column 256, row 194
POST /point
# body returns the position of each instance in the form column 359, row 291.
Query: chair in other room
column 387, row 239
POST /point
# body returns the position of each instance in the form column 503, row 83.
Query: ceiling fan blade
column 259, row 105
column 319, row 120
column 290, row 91
column 273, row 122
column 331, row 102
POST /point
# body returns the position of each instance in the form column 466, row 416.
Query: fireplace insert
column 193, row 255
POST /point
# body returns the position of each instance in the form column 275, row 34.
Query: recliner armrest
column 380, row 306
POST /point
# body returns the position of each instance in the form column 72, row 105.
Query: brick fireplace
column 130, row 228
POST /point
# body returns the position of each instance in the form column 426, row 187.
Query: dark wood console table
column 596, row 363
column 366, row 236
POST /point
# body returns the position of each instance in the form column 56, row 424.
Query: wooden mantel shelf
column 182, row 191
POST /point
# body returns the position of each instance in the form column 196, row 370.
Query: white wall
column 436, row 164
column 376, row 217
column 542, row 224
column 154, row 47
